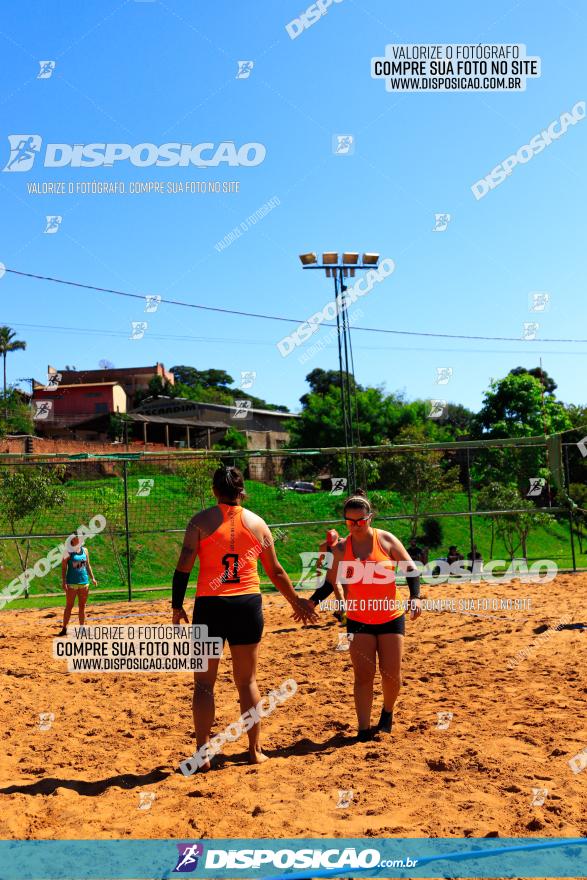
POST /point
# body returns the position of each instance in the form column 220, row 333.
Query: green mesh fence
column 503, row 497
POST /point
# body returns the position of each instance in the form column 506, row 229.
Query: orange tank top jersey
column 371, row 602
column 228, row 557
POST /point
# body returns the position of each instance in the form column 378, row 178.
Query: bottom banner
column 296, row 858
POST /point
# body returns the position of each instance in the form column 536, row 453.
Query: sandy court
column 116, row 736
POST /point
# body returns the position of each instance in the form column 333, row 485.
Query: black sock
column 385, row 721
column 364, row 735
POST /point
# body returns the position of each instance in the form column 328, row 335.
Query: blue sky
column 157, row 72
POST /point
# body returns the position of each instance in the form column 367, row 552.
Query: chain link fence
column 502, row 500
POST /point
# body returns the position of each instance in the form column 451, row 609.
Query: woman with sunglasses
column 365, row 563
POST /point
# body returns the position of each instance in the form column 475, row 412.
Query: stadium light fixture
column 308, row 259
column 330, row 258
column 370, row 259
column 350, row 258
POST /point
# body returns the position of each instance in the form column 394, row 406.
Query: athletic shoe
column 366, row 735
column 385, row 721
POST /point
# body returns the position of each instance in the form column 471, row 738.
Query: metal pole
column 572, row 540
column 342, row 387
column 471, row 528
column 349, row 415
column 571, row 520
column 127, row 530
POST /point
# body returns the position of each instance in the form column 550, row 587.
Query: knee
column 393, row 679
column 365, row 675
column 203, row 688
column 244, row 682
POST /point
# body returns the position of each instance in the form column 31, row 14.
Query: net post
column 470, row 504
column 126, row 529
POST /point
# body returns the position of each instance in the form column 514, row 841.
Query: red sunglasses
column 357, row 522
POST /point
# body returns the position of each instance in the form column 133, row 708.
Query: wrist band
column 178, row 588
column 322, row 592
column 413, row 582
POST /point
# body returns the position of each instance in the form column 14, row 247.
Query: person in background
column 76, row 572
column 453, row 555
column 332, row 538
column 475, row 559
column 417, row 554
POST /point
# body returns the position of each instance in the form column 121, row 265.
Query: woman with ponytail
column 228, row 540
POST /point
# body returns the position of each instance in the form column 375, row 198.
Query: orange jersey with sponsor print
column 371, row 602
column 228, row 557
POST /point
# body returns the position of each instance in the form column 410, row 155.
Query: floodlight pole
column 343, row 331
column 344, row 364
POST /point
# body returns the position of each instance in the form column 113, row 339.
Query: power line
column 265, row 317
column 123, row 334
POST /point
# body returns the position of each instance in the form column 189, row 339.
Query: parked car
column 300, row 486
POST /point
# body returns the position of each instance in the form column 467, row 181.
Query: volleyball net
column 492, row 499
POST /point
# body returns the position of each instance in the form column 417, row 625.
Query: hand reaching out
column 304, row 611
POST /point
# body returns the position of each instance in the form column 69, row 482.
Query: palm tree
column 8, row 343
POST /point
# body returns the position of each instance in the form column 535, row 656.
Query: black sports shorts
column 397, row 626
column 236, row 619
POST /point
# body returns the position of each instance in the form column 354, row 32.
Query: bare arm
column 280, row 579
column 396, row 550
column 190, row 547
column 90, row 572
column 63, row 571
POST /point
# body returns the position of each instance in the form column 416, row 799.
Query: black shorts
column 397, row 626
column 236, row 619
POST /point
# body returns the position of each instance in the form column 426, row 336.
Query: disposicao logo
column 25, row 147
column 23, row 151
column 187, row 860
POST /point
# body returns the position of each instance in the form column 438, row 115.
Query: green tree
column 545, row 380
column 517, row 406
column 120, row 427
column 17, row 416
column 321, row 381
column 378, row 416
column 578, row 493
column 236, row 440
column 512, row 528
column 197, row 479
column 422, row 478
column 206, row 378
column 110, row 503
column 157, row 387
column 185, row 375
column 577, row 462
column 459, row 420
column 8, row 343
column 25, row 493
column 320, row 424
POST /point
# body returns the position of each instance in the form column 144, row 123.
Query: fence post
column 572, row 540
column 471, row 529
column 571, row 521
column 126, row 530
